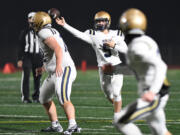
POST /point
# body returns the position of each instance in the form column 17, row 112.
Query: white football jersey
column 144, row 58
column 49, row 55
column 97, row 39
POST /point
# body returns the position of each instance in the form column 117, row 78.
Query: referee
column 29, row 58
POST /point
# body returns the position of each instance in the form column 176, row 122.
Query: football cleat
column 74, row 129
column 36, row 101
column 58, row 129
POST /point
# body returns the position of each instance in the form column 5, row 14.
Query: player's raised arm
column 81, row 35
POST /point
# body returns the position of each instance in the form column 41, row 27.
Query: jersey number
column 107, row 51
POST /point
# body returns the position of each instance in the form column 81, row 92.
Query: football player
column 111, row 79
column 143, row 57
column 62, row 72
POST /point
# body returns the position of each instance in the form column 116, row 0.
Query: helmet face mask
column 102, row 21
column 40, row 20
column 101, row 24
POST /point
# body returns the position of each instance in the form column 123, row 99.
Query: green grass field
column 93, row 112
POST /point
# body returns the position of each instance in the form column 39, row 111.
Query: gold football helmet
column 40, row 20
column 102, row 16
column 133, row 19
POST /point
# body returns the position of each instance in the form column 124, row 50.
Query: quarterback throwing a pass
column 111, row 79
column 62, row 72
column 144, row 59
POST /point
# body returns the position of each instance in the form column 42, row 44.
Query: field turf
column 93, row 111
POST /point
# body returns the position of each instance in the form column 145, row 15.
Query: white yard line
column 18, row 134
column 83, row 107
column 90, row 118
column 31, row 116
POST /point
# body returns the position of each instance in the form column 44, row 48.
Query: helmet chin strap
column 101, row 27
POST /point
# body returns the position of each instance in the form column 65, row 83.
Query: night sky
column 163, row 24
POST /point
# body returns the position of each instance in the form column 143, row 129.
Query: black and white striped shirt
column 29, row 43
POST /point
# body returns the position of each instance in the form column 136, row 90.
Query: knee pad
column 43, row 100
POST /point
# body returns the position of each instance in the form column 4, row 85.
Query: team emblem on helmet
column 40, row 20
column 102, row 16
column 133, row 19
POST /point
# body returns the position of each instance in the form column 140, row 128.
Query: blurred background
column 163, row 25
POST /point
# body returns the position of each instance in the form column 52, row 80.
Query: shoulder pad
column 119, row 33
column 51, row 29
column 92, row 32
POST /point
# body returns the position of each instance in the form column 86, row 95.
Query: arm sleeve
column 121, row 46
column 21, row 46
column 152, row 58
column 81, row 35
column 160, row 73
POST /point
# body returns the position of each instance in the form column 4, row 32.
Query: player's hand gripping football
column 110, row 44
column 60, row 21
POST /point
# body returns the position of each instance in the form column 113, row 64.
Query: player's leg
column 63, row 90
column 45, row 98
column 117, row 82
column 106, row 87
column 51, row 110
column 123, row 125
column 157, row 121
column 129, row 129
column 157, row 124
column 111, row 86
column 137, row 110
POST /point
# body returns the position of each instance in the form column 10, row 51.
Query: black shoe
column 58, row 129
column 74, row 129
column 26, row 101
column 36, row 101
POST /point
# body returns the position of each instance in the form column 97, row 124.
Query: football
column 54, row 13
column 107, row 69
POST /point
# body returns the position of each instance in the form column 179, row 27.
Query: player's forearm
column 121, row 47
column 77, row 33
column 58, row 54
column 159, row 77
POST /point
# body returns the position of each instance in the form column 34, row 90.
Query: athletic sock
column 116, row 116
column 72, row 122
column 55, row 123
